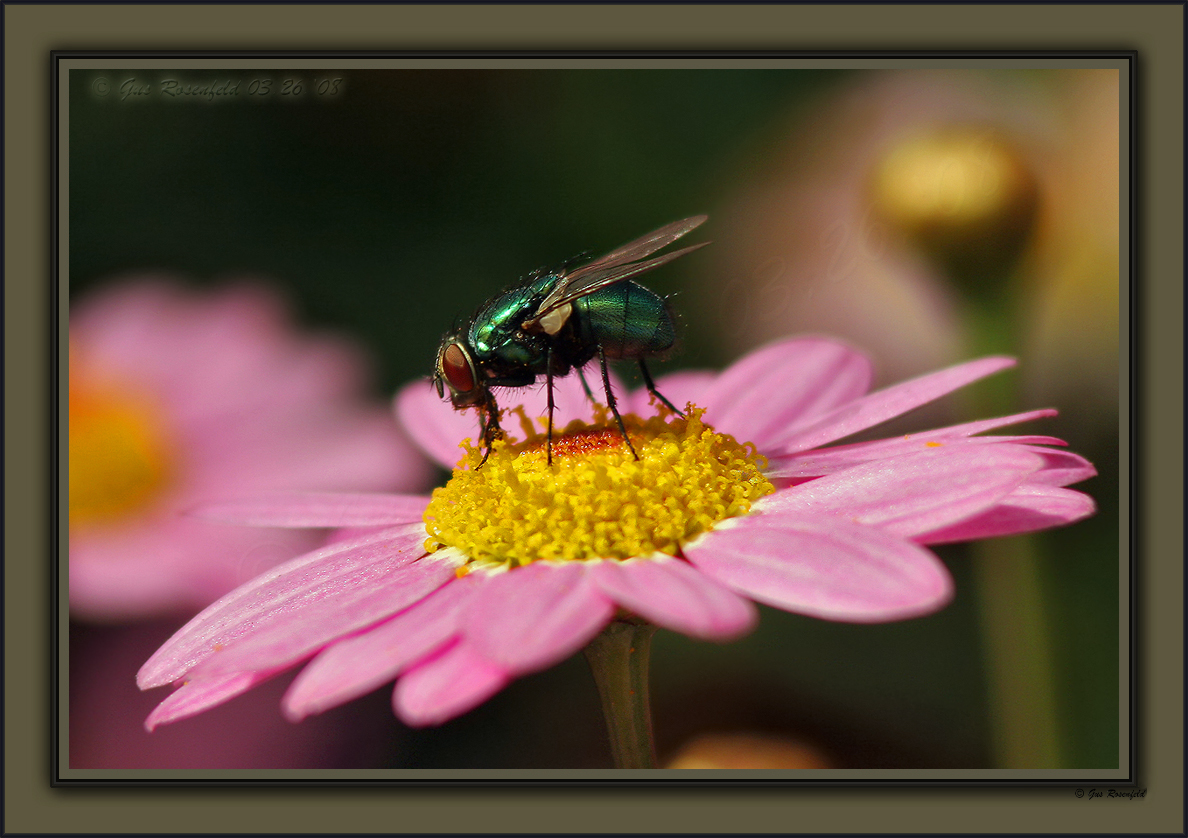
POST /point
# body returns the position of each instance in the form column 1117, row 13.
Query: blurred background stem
column 1017, row 647
column 1012, row 605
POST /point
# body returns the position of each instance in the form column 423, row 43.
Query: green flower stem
column 619, row 659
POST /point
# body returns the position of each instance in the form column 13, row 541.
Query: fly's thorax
column 498, row 323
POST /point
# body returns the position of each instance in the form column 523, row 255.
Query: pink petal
column 529, row 617
column 569, row 398
column 434, row 424
column 828, row 460
column 824, row 461
column 967, row 429
column 825, row 567
column 359, row 664
column 674, row 595
column 339, row 608
column 449, row 684
column 785, row 384
column 1027, row 509
column 439, row 429
column 884, row 404
column 912, row 493
column 196, row 696
column 316, row 509
column 1061, row 467
column 278, row 596
column 679, row 388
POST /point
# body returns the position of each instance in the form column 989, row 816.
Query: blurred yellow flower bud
column 746, row 750
column 964, row 194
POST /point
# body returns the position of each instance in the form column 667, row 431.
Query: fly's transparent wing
column 618, row 265
column 646, row 245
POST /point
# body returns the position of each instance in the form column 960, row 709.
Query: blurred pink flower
column 840, row 539
column 177, row 396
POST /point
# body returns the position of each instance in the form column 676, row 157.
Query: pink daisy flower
column 514, row 566
column 176, row 395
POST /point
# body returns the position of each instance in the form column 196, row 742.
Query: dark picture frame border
column 1140, row 323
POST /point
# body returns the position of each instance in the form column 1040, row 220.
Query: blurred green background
column 397, row 204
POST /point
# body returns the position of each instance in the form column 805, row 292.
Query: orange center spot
column 587, row 442
column 119, row 457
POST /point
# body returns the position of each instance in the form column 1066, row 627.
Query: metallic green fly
column 556, row 321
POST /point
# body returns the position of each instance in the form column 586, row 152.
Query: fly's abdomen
column 627, row 320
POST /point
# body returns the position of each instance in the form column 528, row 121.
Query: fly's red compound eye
column 455, row 366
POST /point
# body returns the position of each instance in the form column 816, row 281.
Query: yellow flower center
column 596, row 500
column 119, row 456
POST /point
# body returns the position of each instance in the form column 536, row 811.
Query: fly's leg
column 488, row 438
column 585, row 385
column 549, row 388
column 651, row 385
column 490, row 434
column 489, row 426
column 610, row 400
